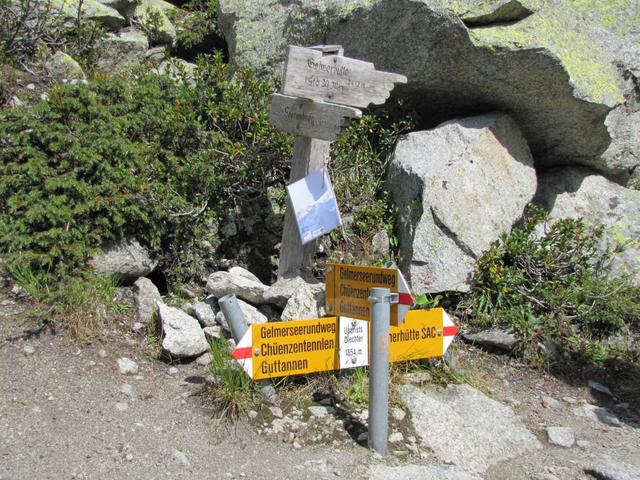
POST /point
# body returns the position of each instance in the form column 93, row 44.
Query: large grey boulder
column 565, row 70
column 61, row 66
column 126, row 261
column 579, row 193
column 238, row 283
column 257, row 31
column 91, row 10
column 183, row 336
column 146, row 296
column 464, row 427
column 457, row 187
column 122, row 50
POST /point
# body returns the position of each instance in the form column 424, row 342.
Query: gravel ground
column 63, row 414
column 67, row 411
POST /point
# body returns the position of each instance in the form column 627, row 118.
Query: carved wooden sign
column 336, row 79
column 320, row 87
column 307, row 118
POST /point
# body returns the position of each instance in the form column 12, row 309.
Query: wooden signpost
column 306, row 118
column 310, row 73
column 312, row 77
column 315, row 80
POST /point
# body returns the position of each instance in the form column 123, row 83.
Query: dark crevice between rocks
column 440, row 224
column 210, row 43
column 505, row 15
column 160, row 281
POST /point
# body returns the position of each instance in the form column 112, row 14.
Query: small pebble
column 122, row 406
column 127, row 366
column 550, row 402
column 180, row 457
column 276, row 412
column 128, row 390
column 28, row 350
column 173, row 371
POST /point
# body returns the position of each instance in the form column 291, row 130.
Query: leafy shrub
column 196, row 20
column 138, row 155
column 358, row 166
column 553, row 286
column 31, row 29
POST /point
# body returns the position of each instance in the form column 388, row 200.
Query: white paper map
column 314, row 205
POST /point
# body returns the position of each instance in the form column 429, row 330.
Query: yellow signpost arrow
column 424, row 334
column 300, row 347
column 348, row 288
column 279, row 349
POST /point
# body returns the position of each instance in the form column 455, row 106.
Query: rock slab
column 492, row 338
column 126, row 261
column 458, row 187
column 183, row 336
column 466, row 428
column 420, row 472
column 146, row 296
column 224, row 283
column 574, row 192
column 611, row 469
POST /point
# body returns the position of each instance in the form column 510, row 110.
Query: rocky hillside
column 142, row 182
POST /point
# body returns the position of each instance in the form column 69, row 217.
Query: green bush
column 137, row 155
column 554, row 286
column 358, row 166
column 195, row 20
column 30, row 30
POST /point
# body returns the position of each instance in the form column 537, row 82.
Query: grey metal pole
column 379, row 369
column 238, row 325
column 231, row 310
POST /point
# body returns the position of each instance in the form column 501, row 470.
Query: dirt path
column 65, row 412
column 63, row 415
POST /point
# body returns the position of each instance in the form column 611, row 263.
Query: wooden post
column 312, row 77
column 309, row 155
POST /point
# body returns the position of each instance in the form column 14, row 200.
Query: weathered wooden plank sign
column 307, row 118
column 314, row 75
column 336, row 79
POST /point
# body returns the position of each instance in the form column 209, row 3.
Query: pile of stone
column 137, row 31
column 187, row 330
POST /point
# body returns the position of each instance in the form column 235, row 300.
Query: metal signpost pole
column 238, row 325
column 379, row 369
column 233, row 314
